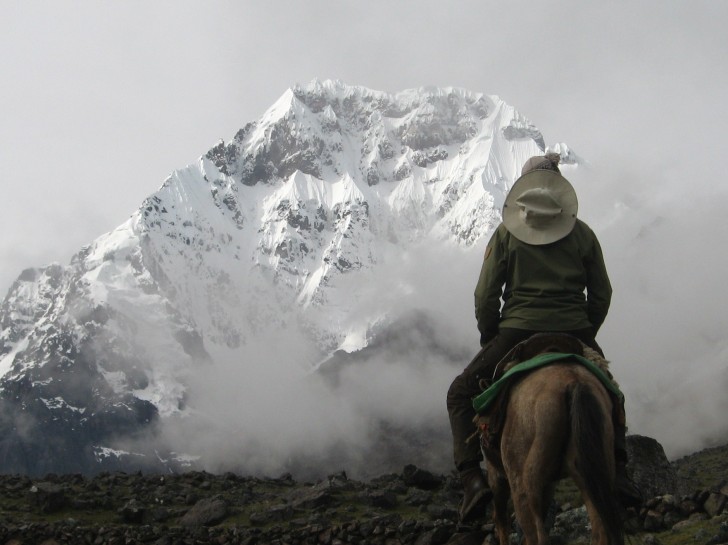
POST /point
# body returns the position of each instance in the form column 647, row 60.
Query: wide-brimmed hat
column 540, row 207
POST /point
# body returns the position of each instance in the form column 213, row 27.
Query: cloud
column 665, row 334
column 113, row 104
column 262, row 409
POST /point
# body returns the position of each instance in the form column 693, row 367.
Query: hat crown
column 539, row 201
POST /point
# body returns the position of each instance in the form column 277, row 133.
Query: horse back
column 559, row 424
column 538, row 415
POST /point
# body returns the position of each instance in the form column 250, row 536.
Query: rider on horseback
column 546, row 258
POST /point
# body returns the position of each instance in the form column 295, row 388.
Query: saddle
column 539, row 343
column 490, row 424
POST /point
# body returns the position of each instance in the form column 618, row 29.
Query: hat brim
column 553, row 230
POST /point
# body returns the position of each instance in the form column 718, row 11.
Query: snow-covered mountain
column 281, row 228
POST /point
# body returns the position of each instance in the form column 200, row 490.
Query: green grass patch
column 699, row 531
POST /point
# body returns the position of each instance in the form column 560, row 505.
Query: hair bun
column 554, row 157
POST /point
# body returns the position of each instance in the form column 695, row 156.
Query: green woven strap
column 484, row 400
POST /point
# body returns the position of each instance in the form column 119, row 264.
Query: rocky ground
column 410, row 507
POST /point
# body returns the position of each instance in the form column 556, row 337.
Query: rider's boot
column 477, row 493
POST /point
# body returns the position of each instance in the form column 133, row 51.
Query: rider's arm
column 598, row 288
column 490, row 286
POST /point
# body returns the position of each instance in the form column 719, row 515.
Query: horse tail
column 592, row 458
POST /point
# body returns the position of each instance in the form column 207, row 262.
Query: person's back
column 543, row 270
column 544, row 286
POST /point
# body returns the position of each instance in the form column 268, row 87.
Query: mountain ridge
column 279, row 232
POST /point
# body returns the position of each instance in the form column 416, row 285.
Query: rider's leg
column 463, row 389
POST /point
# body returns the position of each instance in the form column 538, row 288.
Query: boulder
column 206, row 512
column 420, row 478
column 381, row 498
column 649, row 468
column 715, row 504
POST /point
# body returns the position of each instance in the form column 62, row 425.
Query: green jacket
column 544, row 285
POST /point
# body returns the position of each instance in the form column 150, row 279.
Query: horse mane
column 600, row 361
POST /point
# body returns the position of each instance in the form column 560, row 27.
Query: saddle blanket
column 483, row 402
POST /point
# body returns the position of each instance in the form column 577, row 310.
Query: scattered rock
column 436, row 536
column 418, row 497
column 715, row 504
column 312, row 499
column 48, row 497
column 382, row 498
column 414, row 507
column 206, row 512
column 279, row 513
column 572, row 525
column 475, row 537
column 420, row 478
column 132, row 512
column 721, row 536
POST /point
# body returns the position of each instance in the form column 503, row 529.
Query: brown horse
column 558, row 424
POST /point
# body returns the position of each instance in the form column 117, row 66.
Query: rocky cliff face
column 279, row 229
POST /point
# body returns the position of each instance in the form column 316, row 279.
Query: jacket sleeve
column 598, row 287
column 490, row 286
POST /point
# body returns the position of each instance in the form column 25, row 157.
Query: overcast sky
column 101, row 101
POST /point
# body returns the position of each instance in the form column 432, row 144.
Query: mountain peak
column 282, row 228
